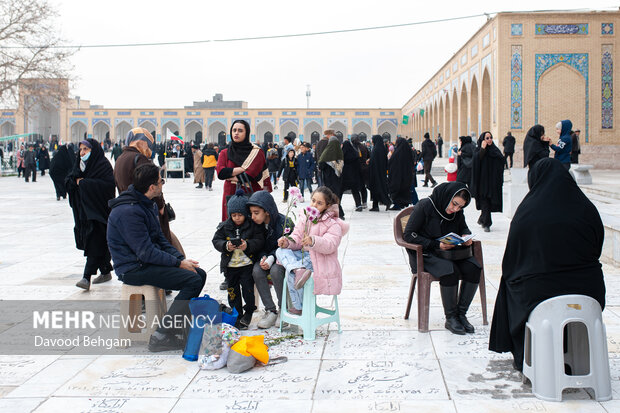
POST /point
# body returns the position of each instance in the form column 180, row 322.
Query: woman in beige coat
column 199, row 173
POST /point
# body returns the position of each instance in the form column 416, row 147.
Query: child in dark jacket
column 288, row 171
column 239, row 240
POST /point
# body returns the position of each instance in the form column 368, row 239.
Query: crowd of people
column 259, row 245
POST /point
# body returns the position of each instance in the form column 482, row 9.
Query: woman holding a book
column 438, row 224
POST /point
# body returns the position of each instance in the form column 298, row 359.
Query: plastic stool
column 585, row 343
column 308, row 319
column 131, row 309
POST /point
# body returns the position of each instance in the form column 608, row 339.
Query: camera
column 236, row 241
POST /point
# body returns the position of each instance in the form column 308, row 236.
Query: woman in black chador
column 90, row 186
column 487, row 179
column 535, row 146
column 61, row 165
column 553, row 248
column 465, row 160
column 433, row 217
column 377, row 181
column 351, row 173
column 400, row 174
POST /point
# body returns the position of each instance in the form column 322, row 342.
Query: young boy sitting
column 239, row 240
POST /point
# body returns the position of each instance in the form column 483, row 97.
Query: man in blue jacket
column 264, row 212
column 565, row 144
column 142, row 254
column 306, row 168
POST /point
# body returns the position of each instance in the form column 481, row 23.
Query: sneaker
column 210, row 189
column 268, row 320
column 301, row 276
column 365, row 206
column 246, row 319
column 359, row 209
column 294, row 311
column 169, row 342
column 83, row 283
column 102, row 278
column 224, row 285
column 487, row 229
column 434, row 185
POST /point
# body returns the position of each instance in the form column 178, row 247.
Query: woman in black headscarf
column 44, row 159
column 465, row 160
column 90, row 186
column 433, row 217
column 400, row 174
column 377, row 182
column 364, row 159
column 351, row 173
column 331, row 164
column 487, row 179
column 61, row 164
column 241, row 156
column 535, row 146
column 553, row 248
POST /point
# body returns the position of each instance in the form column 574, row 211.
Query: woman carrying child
column 239, row 240
column 313, row 247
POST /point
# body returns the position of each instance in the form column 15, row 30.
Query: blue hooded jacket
column 565, row 144
column 275, row 228
column 306, row 165
column 134, row 234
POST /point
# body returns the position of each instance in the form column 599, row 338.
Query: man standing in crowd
column 30, row 163
column 429, row 153
column 116, row 152
column 439, row 145
column 142, row 255
column 306, row 166
column 576, row 149
column 509, row 148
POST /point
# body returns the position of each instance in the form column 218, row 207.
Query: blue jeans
column 302, row 185
column 292, row 260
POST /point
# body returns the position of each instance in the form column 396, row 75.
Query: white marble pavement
column 378, row 363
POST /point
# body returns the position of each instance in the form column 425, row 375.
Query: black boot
column 466, row 295
column 448, row 299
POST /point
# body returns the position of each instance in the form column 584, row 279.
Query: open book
column 454, row 239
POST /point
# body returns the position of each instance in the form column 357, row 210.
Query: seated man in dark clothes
column 142, row 255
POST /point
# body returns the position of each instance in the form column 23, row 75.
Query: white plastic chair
column 567, row 332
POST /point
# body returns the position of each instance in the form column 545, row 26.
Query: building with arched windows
column 522, row 69
column 517, row 70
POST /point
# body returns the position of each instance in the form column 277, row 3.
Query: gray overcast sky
column 379, row 68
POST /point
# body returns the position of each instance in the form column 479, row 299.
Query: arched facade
column 101, row 131
column 193, row 130
column 215, row 129
column 287, row 127
column 262, row 128
column 78, row 131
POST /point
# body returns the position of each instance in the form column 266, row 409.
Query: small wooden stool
column 131, row 310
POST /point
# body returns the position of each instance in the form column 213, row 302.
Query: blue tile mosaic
column 607, row 28
column 516, row 29
column 581, row 28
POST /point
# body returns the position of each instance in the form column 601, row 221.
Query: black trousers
column 427, row 172
column 31, row 169
column 97, row 262
column 188, row 283
column 508, row 155
column 463, row 270
column 485, row 213
column 364, row 193
column 209, row 176
column 287, row 185
column 241, row 282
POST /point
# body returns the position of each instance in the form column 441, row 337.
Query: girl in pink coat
column 319, row 237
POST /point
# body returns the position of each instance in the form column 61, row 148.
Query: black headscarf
column 534, row 148
column 61, row 163
column 401, row 170
column 488, row 175
column 377, row 182
column 443, row 194
column 239, row 151
column 554, row 245
column 555, row 228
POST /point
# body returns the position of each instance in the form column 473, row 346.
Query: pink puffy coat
column 326, row 234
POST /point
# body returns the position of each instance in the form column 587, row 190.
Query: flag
column 173, row 137
column 405, row 120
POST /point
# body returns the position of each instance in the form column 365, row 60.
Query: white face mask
column 85, row 157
